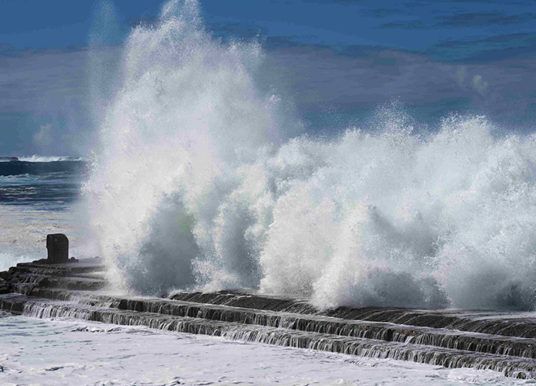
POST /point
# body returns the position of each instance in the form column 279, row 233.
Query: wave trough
column 203, row 181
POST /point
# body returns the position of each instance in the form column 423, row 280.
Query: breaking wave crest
column 201, row 180
column 39, row 158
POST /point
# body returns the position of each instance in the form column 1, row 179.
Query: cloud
column 481, row 19
column 50, row 88
column 470, row 20
column 460, row 76
column 419, row 3
column 32, row 82
column 479, row 84
column 491, row 49
column 43, row 137
column 324, row 82
column 409, row 25
column 382, row 12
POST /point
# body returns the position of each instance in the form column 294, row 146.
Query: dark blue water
column 48, row 185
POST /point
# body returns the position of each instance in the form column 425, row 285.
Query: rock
column 58, row 248
column 5, row 288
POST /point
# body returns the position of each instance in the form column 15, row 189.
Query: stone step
column 453, row 338
column 25, row 283
column 84, row 266
column 73, row 283
column 42, row 308
column 32, row 270
column 445, row 338
column 496, row 323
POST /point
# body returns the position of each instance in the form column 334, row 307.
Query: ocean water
column 37, row 197
column 204, row 177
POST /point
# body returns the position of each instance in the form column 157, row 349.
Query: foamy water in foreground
column 59, row 352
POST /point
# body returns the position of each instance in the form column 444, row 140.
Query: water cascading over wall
column 500, row 341
column 203, row 180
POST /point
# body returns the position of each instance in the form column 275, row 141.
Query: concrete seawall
column 504, row 342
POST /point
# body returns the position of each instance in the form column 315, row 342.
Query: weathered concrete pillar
column 58, row 248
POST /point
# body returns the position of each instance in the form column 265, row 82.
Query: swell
column 13, row 168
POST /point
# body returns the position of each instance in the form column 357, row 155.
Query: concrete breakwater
column 504, row 342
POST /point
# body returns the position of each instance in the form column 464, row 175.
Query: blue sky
column 337, row 61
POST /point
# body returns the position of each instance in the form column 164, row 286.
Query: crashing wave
column 201, row 180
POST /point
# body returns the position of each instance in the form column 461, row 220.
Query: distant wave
column 39, row 158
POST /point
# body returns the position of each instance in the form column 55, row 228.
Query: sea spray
column 187, row 118
column 395, row 219
column 202, row 181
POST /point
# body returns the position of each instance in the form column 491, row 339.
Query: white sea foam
column 64, row 352
column 202, row 181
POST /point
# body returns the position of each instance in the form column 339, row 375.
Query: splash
column 202, row 180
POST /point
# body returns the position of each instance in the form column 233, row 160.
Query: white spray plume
column 201, row 181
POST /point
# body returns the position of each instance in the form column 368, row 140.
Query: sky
column 336, row 61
